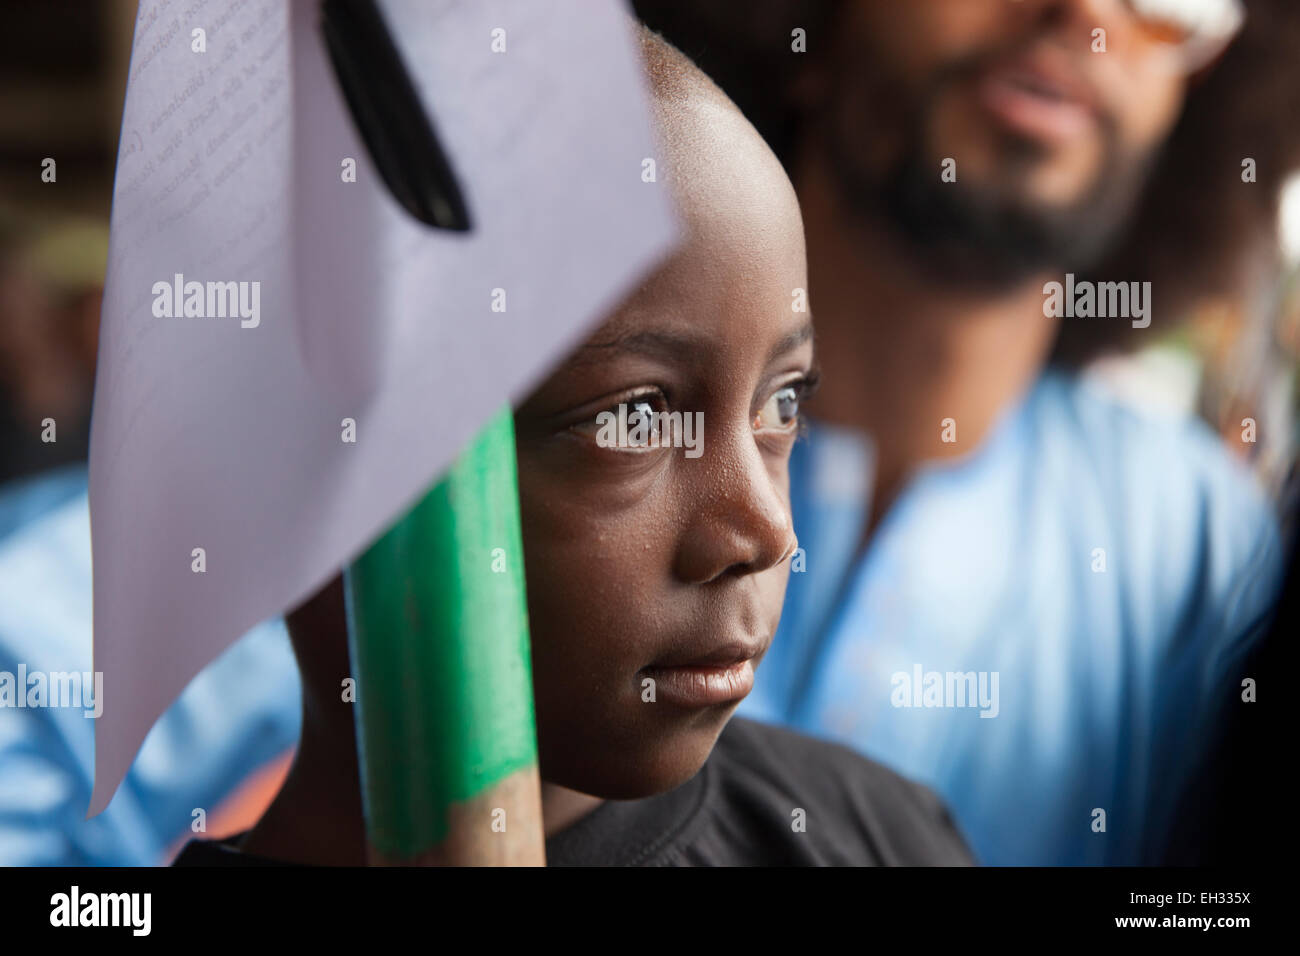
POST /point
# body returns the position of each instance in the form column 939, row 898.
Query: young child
column 647, row 562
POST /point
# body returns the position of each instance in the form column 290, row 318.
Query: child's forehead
column 649, row 331
column 670, row 338
column 707, row 298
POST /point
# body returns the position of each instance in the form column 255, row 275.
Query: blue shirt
column 240, row 712
column 1098, row 575
column 25, row 499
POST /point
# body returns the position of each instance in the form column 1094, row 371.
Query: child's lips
column 702, row 685
column 702, row 679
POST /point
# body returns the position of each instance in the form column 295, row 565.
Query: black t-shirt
column 766, row 797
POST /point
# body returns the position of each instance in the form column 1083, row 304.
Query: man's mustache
column 970, row 67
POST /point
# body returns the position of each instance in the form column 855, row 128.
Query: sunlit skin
column 634, row 557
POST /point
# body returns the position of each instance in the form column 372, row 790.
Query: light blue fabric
column 1107, row 680
column 25, row 499
column 237, row 714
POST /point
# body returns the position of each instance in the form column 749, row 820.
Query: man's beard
column 980, row 235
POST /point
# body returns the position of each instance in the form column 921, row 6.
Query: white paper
column 219, row 434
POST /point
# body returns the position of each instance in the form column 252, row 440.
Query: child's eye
column 642, row 423
column 781, row 411
column 633, row 422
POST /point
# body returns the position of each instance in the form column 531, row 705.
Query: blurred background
column 62, row 81
column 63, row 71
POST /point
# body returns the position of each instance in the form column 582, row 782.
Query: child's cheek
column 773, row 587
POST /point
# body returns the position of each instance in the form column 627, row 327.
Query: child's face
column 644, row 561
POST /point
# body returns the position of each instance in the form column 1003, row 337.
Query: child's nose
column 739, row 517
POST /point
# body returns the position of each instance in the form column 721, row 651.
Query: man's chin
column 1002, row 230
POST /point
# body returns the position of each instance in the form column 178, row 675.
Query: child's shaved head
column 673, row 77
column 714, row 156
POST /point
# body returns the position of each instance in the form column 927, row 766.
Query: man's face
column 1050, row 139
